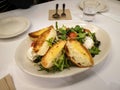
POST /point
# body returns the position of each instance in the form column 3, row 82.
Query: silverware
column 56, row 15
column 63, row 13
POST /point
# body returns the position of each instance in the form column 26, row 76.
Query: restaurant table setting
column 17, row 72
column 60, row 14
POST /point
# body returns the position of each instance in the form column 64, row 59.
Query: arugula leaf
column 37, row 59
column 97, row 43
column 56, row 25
column 78, row 28
column 94, row 51
column 62, row 33
column 81, row 35
column 59, row 64
column 50, row 41
column 63, row 37
column 62, row 30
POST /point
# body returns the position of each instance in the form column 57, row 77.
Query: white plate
column 27, row 66
column 13, row 26
column 101, row 8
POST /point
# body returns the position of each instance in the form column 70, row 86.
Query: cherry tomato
column 72, row 35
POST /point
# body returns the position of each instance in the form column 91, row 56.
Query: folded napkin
column 67, row 11
column 7, row 83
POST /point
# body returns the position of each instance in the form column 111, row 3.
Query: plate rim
column 25, row 19
column 66, row 75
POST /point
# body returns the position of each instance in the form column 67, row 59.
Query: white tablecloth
column 104, row 76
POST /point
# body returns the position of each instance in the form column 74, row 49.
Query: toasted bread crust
column 36, row 34
column 38, row 43
column 79, row 47
column 52, row 54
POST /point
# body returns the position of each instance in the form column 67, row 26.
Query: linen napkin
column 7, row 83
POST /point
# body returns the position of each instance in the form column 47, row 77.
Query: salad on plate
column 54, row 49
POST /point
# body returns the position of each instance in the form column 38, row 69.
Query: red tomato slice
column 72, row 35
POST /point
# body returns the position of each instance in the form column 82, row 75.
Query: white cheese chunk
column 31, row 54
column 89, row 43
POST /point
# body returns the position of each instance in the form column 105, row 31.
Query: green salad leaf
column 50, row 41
column 59, row 64
column 94, row 51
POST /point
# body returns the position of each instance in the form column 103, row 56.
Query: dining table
column 103, row 76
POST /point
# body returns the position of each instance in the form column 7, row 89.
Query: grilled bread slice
column 78, row 54
column 52, row 54
column 41, row 45
column 36, row 34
